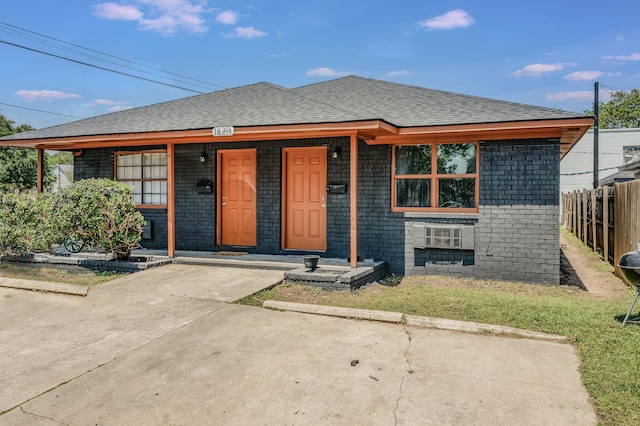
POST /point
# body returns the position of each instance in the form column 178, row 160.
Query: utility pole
column 596, row 127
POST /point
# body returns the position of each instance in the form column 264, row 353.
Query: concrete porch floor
column 223, row 258
column 332, row 273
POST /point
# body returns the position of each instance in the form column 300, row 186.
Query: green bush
column 24, row 223
column 99, row 212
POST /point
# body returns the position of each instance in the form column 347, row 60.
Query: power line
column 40, row 110
column 100, row 67
column 14, row 28
column 586, row 173
column 19, row 29
column 609, row 89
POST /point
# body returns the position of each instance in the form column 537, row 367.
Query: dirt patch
column 68, row 274
column 586, row 270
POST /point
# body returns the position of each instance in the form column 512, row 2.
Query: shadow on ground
column 568, row 274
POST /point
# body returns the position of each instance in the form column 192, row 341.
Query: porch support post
column 353, row 196
column 171, row 232
column 40, row 171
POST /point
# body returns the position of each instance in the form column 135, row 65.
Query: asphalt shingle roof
column 341, row 100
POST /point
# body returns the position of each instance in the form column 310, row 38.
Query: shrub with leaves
column 99, row 212
column 24, row 220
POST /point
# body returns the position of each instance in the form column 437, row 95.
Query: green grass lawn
column 610, row 354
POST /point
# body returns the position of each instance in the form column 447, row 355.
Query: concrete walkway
column 162, row 347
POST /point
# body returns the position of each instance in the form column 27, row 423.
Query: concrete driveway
column 162, row 347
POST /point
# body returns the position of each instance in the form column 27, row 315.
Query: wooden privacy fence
column 606, row 219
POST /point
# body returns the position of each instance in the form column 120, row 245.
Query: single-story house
column 63, row 174
column 431, row 182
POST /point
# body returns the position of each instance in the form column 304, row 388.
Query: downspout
column 40, row 171
column 353, row 196
column 171, row 233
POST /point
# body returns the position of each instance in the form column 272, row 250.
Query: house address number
column 223, row 131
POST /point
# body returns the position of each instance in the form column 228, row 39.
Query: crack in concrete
column 28, row 413
column 409, row 372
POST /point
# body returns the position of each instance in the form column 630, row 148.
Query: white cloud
column 163, row 16
column 117, row 11
column 246, row 32
column 327, row 72
column 44, row 95
column 536, row 70
column 118, row 108
column 589, row 75
column 583, row 75
column 631, row 57
column 579, row 96
column 105, row 102
column 397, row 73
column 620, row 38
column 454, row 19
column 228, row 17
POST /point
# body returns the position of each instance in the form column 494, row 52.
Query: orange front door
column 237, row 197
column 305, row 198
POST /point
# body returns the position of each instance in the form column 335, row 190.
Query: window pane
column 413, row 160
column 413, row 193
column 456, row 158
column 456, row 193
column 133, row 168
column 137, row 191
column 134, row 160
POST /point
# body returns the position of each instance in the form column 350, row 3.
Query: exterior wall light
column 336, row 153
column 204, row 157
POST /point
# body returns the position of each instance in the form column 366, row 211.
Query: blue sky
column 546, row 53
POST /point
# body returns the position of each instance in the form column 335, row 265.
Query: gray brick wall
column 158, row 220
column 518, row 226
column 380, row 231
column 195, row 213
column 518, row 242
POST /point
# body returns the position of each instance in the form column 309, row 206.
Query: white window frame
column 146, row 173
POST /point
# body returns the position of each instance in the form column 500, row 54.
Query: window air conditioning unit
column 443, row 236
